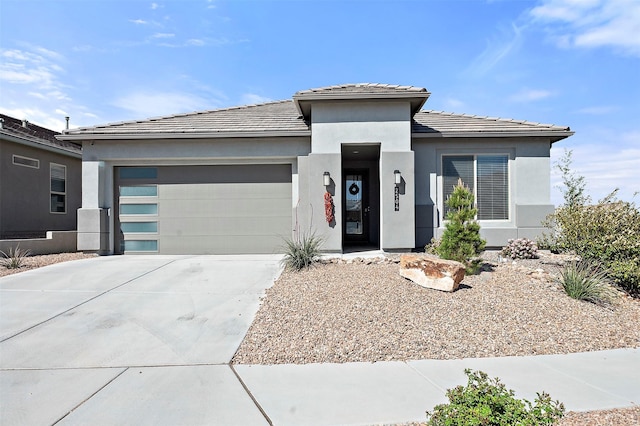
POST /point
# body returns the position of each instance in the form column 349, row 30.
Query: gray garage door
column 203, row 209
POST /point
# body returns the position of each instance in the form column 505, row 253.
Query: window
column 26, row 161
column 58, row 188
column 486, row 175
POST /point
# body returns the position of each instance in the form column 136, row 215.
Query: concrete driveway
column 159, row 330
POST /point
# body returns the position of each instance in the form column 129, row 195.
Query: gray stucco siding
column 25, row 193
column 529, row 182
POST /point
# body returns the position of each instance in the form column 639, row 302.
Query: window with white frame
column 58, row 188
column 486, row 175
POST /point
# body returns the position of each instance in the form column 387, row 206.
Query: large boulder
column 432, row 272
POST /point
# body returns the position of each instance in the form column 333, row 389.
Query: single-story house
column 40, row 180
column 360, row 165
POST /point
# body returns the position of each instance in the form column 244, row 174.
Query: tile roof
column 35, row 134
column 283, row 118
column 363, row 88
column 432, row 123
column 272, row 117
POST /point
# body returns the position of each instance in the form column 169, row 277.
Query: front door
column 356, row 202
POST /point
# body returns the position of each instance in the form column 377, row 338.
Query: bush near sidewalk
column 486, row 401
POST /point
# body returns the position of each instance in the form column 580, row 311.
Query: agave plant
column 14, row 258
column 301, row 252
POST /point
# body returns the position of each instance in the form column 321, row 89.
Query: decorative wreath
column 329, row 207
column 354, row 189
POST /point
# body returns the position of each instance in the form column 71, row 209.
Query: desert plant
column 521, row 248
column 461, row 238
column 432, row 247
column 14, row 258
column 301, row 251
column 586, row 280
column 608, row 231
column 486, row 401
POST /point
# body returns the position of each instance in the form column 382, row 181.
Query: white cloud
column 28, row 68
column 163, row 35
column 38, row 117
column 454, row 104
column 530, row 95
column 497, row 49
column 253, row 99
column 155, row 6
column 154, row 104
column 138, row 21
column 592, row 23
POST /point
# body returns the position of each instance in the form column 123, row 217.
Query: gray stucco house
column 40, row 180
column 239, row 180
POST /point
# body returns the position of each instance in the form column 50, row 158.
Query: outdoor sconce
column 398, row 176
column 326, row 179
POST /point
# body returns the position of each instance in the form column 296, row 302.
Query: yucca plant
column 586, row 280
column 302, row 251
column 14, row 258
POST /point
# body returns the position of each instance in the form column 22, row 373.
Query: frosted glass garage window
column 141, row 245
column 138, row 172
column 139, row 227
column 148, row 209
column 486, row 175
column 139, row 191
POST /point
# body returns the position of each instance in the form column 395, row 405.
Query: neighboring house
column 239, row 180
column 40, row 180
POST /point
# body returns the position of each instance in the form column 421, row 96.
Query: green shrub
column 587, row 281
column 626, row 274
column 461, row 238
column 521, row 248
column 14, row 258
column 486, row 401
column 301, row 252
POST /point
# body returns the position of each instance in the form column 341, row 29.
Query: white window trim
column 51, row 165
column 475, row 156
column 13, row 160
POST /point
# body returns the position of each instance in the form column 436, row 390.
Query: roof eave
column 303, row 101
column 40, row 145
column 554, row 135
column 182, row 135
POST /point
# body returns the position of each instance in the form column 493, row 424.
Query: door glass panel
column 139, row 226
column 141, row 245
column 354, row 211
column 139, row 191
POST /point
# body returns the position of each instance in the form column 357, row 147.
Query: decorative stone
column 432, row 272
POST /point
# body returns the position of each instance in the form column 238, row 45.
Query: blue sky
column 567, row 62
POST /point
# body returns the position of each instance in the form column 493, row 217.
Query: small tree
column 574, row 185
column 461, row 238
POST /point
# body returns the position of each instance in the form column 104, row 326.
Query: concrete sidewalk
column 312, row 394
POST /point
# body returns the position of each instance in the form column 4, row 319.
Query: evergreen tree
column 461, row 238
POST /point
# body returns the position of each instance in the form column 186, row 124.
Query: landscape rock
column 432, row 272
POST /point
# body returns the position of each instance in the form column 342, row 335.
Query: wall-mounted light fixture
column 326, row 179
column 398, row 177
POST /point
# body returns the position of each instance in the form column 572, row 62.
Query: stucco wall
column 25, row 192
column 529, row 185
column 96, row 218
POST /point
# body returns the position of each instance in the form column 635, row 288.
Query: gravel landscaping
column 33, row 262
column 363, row 311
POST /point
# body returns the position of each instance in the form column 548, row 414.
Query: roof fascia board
column 38, row 145
column 183, row 135
column 555, row 134
column 307, row 98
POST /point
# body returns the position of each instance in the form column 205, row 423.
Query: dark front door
column 356, row 205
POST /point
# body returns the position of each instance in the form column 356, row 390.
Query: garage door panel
column 230, row 244
column 221, row 208
column 233, row 226
column 208, row 209
column 225, row 191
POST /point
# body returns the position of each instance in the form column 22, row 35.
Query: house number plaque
column 396, row 195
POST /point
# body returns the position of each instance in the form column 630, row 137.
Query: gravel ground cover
column 33, row 262
column 364, row 311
